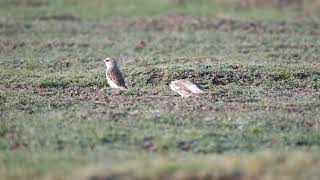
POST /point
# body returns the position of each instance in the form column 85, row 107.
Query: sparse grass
column 59, row 120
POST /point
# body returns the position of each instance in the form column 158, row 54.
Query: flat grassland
column 59, row 120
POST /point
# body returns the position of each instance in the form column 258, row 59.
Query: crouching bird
column 114, row 75
column 185, row 88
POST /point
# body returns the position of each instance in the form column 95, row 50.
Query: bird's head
column 110, row 62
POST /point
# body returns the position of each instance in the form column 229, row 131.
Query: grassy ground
column 106, row 8
column 59, row 120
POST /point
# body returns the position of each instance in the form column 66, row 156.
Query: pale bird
column 185, row 88
column 113, row 74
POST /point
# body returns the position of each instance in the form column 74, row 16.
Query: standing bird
column 113, row 74
column 185, row 88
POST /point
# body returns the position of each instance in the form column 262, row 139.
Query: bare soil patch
column 63, row 17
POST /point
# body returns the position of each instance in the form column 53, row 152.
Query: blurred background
column 107, row 8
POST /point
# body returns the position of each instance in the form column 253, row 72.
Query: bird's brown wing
column 184, row 87
column 192, row 87
column 180, row 87
column 116, row 76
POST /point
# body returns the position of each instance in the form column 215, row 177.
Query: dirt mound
column 181, row 21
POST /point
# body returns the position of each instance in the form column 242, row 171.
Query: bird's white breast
column 111, row 83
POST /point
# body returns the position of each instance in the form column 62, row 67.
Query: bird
column 185, row 88
column 114, row 75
